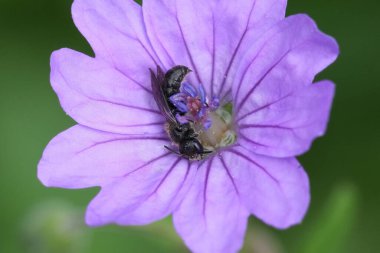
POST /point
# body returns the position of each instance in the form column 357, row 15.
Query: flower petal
column 274, row 190
column 286, row 124
column 98, row 96
column 211, row 217
column 116, row 32
column 277, row 110
column 146, row 194
column 209, row 36
column 82, row 157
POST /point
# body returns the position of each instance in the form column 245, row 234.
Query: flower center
column 221, row 133
column 212, row 122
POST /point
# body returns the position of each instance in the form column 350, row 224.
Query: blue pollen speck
column 184, row 102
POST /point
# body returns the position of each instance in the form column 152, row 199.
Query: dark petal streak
column 205, row 186
column 256, row 164
column 142, row 138
column 236, row 51
column 173, row 63
column 148, row 163
column 165, row 177
column 263, row 107
column 259, row 82
column 106, row 101
column 188, row 51
column 130, row 37
column 229, row 175
column 213, row 57
column 243, row 126
column 242, row 78
column 251, row 141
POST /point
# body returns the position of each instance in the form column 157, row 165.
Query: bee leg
column 173, row 151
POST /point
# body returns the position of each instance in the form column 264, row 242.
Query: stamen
column 212, row 122
column 188, row 89
column 193, row 103
column 202, row 93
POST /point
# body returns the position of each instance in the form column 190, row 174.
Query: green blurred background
column 343, row 166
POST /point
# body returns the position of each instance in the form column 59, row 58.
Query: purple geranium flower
column 260, row 104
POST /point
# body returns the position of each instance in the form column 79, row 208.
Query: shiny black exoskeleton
column 173, row 80
column 186, row 138
column 164, row 86
column 172, row 83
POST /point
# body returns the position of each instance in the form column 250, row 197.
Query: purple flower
column 255, row 65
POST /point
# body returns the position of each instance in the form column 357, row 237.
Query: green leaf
column 332, row 229
column 54, row 226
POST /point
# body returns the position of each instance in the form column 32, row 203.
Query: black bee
column 164, row 85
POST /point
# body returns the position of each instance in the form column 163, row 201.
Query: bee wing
column 157, row 82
